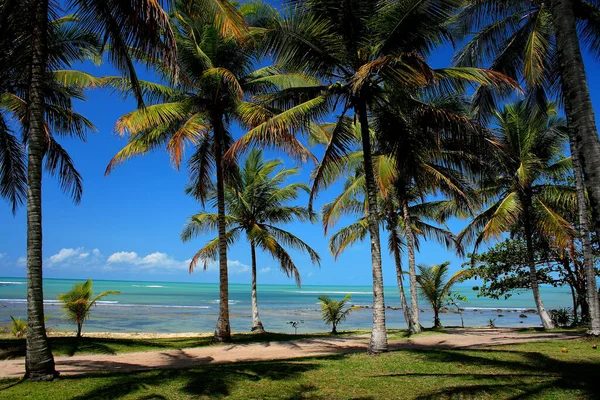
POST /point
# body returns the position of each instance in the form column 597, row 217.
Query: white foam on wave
column 112, row 303
column 326, row 292
column 497, row 308
column 218, row 301
column 148, row 286
column 13, row 283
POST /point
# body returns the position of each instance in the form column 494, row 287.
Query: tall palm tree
column 255, row 204
column 538, row 42
column 216, row 84
column 359, row 48
column 520, row 195
column 68, row 43
column 434, row 287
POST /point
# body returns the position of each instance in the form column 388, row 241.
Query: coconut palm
column 334, row 311
column 520, row 195
column 359, row 48
column 255, row 204
column 69, row 43
column 78, row 302
column 215, row 85
column 538, row 43
column 434, row 287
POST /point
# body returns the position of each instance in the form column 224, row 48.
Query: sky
column 127, row 225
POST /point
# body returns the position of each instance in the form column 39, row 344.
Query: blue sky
column 127, row 225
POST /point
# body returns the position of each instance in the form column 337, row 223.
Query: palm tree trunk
column 378, row 342
column 436, row 318
column 223, row 330
column 415, row 324
column 257, row 326
column 578, row 104
column 593, row 303
column 39, row 362
column 79, row 327
column 400, row 278
column 535, row 288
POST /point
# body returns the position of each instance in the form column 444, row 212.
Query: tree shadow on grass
column 205, row 380
column 530, row 375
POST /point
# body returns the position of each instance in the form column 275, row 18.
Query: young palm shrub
column 78, row 302
column 360, row 48
column 334, row 311
column 18, row 327
column 435, row 289
column 537, row 42
column 255, row 204
column 519, row 194
column 215, row 86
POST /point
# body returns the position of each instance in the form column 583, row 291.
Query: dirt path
column 453, row 338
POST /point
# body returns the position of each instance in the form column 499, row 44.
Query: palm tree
column 255, row 204
column 78, row 302
column 520, row 195
column 538, row 42
column 433, row 288
column 359, row 48
column 334, row 311
column 68, row 43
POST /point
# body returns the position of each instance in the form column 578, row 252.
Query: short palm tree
column 521, row 40
column 434, row 287
column 78, row 302
column 334, row 311
column 519, row 194
column 215, row 86
column 359, row 48
column 255, row 203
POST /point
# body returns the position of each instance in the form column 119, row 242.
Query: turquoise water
column 193, row 307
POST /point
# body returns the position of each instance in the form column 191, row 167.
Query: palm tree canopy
column 433, row 284
column 78, row 302
column 334, row 311
column 526, row 173
column 255, row 204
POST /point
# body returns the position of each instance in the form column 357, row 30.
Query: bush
column 18, row 327
column 563, row 317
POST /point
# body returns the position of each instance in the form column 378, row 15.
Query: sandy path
column 454, row 338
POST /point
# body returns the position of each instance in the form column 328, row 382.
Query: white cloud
column 154, row 261
column 65, row 254
column 264, row 270
column 123, row 257
column 310, row 274
column 96, row 252
column 84, row 255
column 21, row 261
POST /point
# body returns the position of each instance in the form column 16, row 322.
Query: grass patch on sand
column 537, row 370
column 11, row 347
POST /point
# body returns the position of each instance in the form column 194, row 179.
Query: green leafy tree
column 334, row 311
column 539, row 43
column 78, row 302
column 215, row 86
column 359, row 49
column 255, row 204
column 434, row 287
column 520, row 192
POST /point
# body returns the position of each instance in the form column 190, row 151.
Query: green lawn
column 527, row 371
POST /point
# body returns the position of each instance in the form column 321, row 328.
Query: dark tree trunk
column 415, row 325
column 39, row 362
column 257, row 326
column 592, row 311
column 223, row 330
column 400, row 276
column 578, row 104
column 535, row 288
column 79, row 328
column 378, row 342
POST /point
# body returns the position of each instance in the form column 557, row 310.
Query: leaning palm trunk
column 535, row 288
column 223, row 330
column 257, row 326
column 415, row 324
column 400, row 278
column 39, row 362
column 592, row 292
column 378, row 342
column 578, row 104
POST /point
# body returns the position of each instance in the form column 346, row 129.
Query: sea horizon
column 177, row 307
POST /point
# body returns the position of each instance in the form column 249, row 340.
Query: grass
column 537, row 370
column 11, row 347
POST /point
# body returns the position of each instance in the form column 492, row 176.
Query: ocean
column 193, row 307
